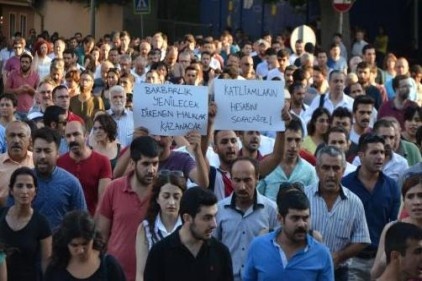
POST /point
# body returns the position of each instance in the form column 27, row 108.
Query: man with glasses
column 23, row 83
column 43, row 96
column 13, row 63
column 61, row 98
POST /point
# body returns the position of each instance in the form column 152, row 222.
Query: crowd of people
column 85, row 194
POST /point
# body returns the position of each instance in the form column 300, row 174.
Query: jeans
column 341, row 273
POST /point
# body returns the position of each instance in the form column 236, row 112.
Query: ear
column 394, row 256
column 186, row 217
column 280, row 219
column 361, row 154
column 53, row 125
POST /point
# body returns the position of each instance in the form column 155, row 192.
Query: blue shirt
column 56, row 195
column 264, row 261
column 303, row 172
column 381, row 205
column 3, row 145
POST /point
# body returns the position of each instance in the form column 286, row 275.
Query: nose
column 213, row 223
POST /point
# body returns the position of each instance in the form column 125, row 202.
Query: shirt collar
column 343, row 195
column 257, row 202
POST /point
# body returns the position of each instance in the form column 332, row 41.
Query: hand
column 285, row 113
column 336, row 259
column 212, row 111
column 194, row 139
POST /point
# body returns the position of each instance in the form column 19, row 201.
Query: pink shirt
column 15, row 80
column 122, row 206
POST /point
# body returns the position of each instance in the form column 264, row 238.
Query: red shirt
column 388, row 109
column 15, row 80
column 307, row 156
column 89, row 172
column 73, row 117
column 122, row 206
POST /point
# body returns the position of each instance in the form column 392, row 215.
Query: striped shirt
column 344, row 224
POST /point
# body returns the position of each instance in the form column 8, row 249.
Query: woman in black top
column 78, row 252
column 25, row 232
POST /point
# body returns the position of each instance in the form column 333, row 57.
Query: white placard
column 170, row 110
column 249, row 105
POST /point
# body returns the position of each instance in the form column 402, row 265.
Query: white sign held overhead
column 249, row 105
column 170, row 110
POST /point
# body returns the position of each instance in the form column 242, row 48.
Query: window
column 23, row 25
column 12, row 24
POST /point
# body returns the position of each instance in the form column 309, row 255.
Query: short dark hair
column 291, row 197
column 47, row 134
column 342, row 112
column 295, row 125
column 397, row 79
column 367, row 47
column 143, row 146
column 194, row 198
column 299, row 75
column 294, row 86
column 253, row 161
column 382, row 123
column 11, row 97
column 411, row 181
column 52, row 113
column 363, row 65
column 334, row 72
column 337, row 129
column 363, row 99
column 368, row 138
column 25, row 55
column 57, row 88
column 397, row 237
column 283, row 53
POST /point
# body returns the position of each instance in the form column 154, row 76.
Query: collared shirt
column 160, row 231
column 346, row 102
column 236, row 229
column 265, row 262
column 393, row 168
column 8, row 166
column 381, row 205
column 122, row 206
column 171, row 260
column 124, row 126
column 345, row 223
column 303, row 172
column 350, row 168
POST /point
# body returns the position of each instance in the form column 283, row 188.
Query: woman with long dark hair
column 78, row 252
column 162, row 217
column 25, row 232
column 317, row 128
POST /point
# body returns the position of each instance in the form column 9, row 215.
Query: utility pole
column 92, row 18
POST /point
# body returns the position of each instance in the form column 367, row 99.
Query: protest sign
column 248, row 105
column 170, row 110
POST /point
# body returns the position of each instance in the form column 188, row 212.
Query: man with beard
column 337, row 213
column 13, row 63
column 251, row 140
column 122, row 116
column 363, row 71
column 245, row 214
column 91, row 168
column 55, row 118
column 191, row 253
column 289, row 253
column 380, row 197
column 291, row 168
column 125, row 203
column 396, row 106
column 18, row 139
column 58, row 191
column 394, row 164
column 23, row 83
column 297, row 106
column 85, row 105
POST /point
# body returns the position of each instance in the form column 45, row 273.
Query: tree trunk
column 330, row 24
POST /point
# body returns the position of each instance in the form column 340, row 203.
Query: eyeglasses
column 167, row 173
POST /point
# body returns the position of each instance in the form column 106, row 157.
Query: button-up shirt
column 124, row 126
column 7, row 167
column 346, row 102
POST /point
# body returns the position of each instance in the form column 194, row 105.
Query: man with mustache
column 91, row 168
column 18, row 139
column 337, row 213
column 289, row 253
column 380, row 197
column 394, row 164
column 190, row 252
column 245, row 214
column 122, row 116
